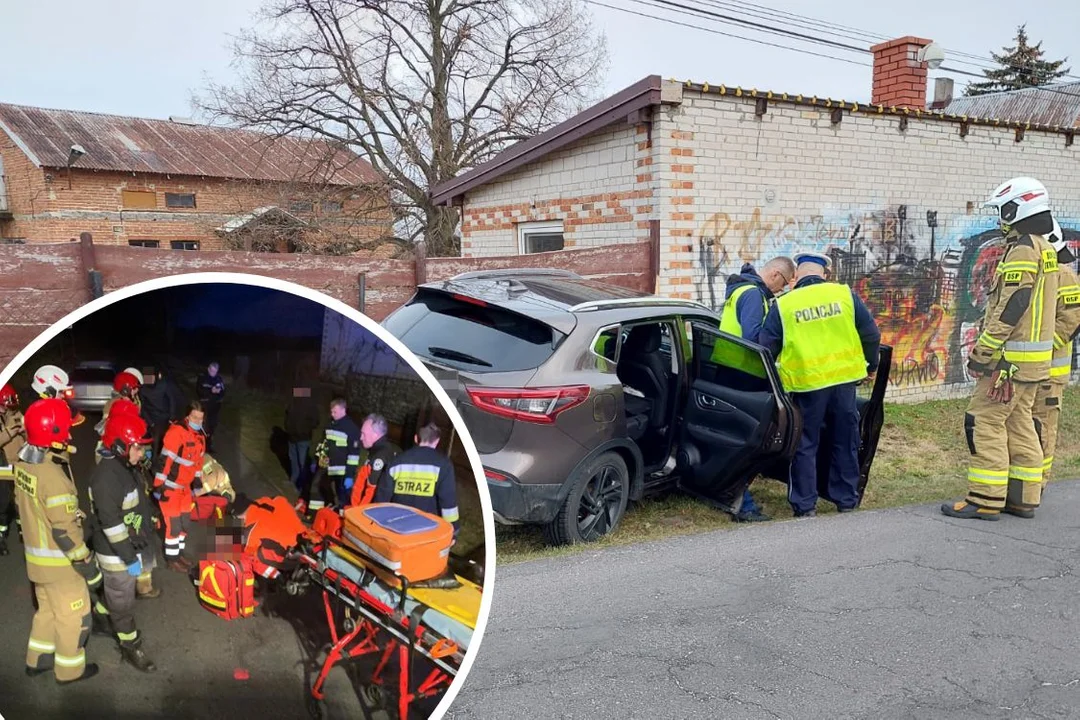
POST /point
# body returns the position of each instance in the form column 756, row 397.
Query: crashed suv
column 582, row 396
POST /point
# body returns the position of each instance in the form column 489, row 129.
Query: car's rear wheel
column 595, row 504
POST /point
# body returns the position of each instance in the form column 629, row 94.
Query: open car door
column 736, row 418
column 871, row 404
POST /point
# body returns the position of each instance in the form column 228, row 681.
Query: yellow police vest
column 821, row 343
column 729, row 354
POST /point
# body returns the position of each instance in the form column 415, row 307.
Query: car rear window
column 92, row 375
column 472, row 336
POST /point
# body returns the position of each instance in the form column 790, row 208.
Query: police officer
column 58, row 562
column 747, row 300
column 825, row 342
column 380, row 453
column 423, row 478
column 122, row 535
column 342, row 455
column 178, row 472
column 12, row 438
column 211, row 391
column 1048, row 398
column 1010, row 358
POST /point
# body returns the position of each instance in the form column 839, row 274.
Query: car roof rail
column 516, row 272
column 649, row 301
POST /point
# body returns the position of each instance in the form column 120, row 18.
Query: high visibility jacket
column 12, row 438
column 215, row 478
column 729, row 354
column 380, row 455
column 1018, row 324
column 821, row 342
column 119, row 502
column 423, row 478
column 1066, row 323
column 51, row 524
column 273, row 528
column 181, row 459
column 343, row 448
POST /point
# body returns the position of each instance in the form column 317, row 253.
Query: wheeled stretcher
column 381, row 612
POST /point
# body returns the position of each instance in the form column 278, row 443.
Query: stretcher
column 380, row 612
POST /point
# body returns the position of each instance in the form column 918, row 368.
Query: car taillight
column 538, row 405
column 496, row 477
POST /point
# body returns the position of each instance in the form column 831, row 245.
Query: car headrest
column 644, row 339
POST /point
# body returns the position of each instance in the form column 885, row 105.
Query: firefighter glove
column 1002, row 389
column 90, row 572
column 976, row 368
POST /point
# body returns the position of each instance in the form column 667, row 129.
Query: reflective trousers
column 1047, row 413
column 1006, row 455
column 176, row 510
column 60, row 627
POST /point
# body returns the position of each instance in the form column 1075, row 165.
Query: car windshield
column 92, row 375
column 472, row 336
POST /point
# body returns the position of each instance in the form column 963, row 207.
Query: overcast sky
column 145, row 59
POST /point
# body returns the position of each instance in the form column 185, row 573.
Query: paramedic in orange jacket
column 178, row 471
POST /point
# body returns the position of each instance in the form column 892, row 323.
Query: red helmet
column 8, row 397
column 126, row 384
column 122, row 430
column 123, row 406
column 48, row 422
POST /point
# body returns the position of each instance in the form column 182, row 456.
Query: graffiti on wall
column 925, row 281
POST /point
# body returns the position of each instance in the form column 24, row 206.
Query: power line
column 725, row 34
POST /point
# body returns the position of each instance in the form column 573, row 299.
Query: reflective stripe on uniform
column 46, row 557
column 41, row 647
column 181, row 460
column 112, row 563
column 1025, row 474
column 70, row 661
column 78, row 554
column 1060, row 366
column 1029, row 352
column 988, row 477
column 450, row 514
column 990, row 341
column 172, row 485
column 130, row 500
column 1059, row 342
column 1018, row 266
column 415, row 479
column 339, row 438
column 335, row 470
column 128, row 637
column 59, row 500
column 352, row 460
column 1047, row 463
column 116, row 533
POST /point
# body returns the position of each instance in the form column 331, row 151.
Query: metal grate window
column 179, row 200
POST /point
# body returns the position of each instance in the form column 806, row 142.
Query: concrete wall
column 729, row 187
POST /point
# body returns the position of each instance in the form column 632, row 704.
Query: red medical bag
column 227, row 587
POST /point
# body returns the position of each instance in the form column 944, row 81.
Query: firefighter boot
column 144, row 589
column 3, row 545
column 1026, row 513
column 100, row 624
column 133, row 653
column 967, row 511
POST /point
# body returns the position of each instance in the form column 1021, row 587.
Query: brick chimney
column 943, row 93
column 899, row 78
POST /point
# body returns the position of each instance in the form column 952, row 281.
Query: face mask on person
column 195, row 426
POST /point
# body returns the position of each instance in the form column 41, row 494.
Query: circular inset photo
column 241, row 498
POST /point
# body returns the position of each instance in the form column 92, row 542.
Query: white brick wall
column 791, row 181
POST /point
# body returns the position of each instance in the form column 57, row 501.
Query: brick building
column 724, row 175
column 180, row 185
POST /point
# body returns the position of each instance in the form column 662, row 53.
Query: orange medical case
column 412, row 543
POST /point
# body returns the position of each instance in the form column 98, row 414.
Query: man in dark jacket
column 123, row 531
column 301, row 419
column 381, row 450
column 746, row 303
column 423, row 478
column 162, row 402
column 210, row 389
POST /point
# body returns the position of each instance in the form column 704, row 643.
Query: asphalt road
column 881, row 614
column 196, row 652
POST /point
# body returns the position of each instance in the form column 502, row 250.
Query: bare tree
column 424, row 89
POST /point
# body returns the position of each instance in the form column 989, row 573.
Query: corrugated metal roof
column 163, row 147
column 1049, row 105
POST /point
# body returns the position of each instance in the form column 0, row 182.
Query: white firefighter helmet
column 1018, row 199
column 50, row 381
column 1057, row 237
column 136, row 373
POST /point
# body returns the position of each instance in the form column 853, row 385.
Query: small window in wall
column 180, row 200
column 184, row 244
column 144, row 243
column 331, row 206
column 538, row 237
column 140, row 199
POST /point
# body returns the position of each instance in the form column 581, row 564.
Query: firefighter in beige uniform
column 1047, row 409
column 58, row 562
column 12, row 438
column 1011, row 357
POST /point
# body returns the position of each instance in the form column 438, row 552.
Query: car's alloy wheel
column 596, row 502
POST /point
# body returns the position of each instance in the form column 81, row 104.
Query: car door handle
column 706, row 401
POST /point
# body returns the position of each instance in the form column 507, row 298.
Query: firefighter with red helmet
column 126, row 386
column 123, row 533
column 58, row 561
column 178, row 472
column 12, row 438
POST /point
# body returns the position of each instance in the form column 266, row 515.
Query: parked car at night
column 582, row 396
column 92, row 383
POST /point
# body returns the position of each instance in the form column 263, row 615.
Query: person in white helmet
column 50, row 381
column 1009, row 360
column 1048, row 399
